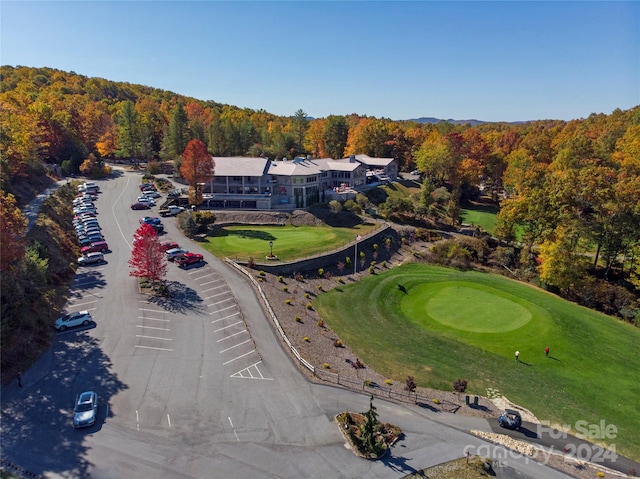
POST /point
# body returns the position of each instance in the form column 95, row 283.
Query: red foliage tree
column 197, row 167
column 147, row 258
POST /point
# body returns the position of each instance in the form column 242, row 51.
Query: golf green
column 466, row 306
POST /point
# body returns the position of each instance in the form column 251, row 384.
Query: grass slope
column 289, row 242
column 452, row 324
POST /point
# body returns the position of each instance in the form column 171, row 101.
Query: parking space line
column 226, row 317
column 205, row 275
column 194, row 272
column 232, row 335
column 216, row 295
column 235, row 346
column 153, row 337
column 77, row 305
column 209, row 282
column 151, row 327
column 222, row 329
column 239, row 357
column 151, row 347
column 211, row 289
column 152, row 310
column 221, row 301
column 154, row 319
column 223, row 309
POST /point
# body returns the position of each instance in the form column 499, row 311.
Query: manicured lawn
column 483, row 216
column 289, row 242
column 452, row 324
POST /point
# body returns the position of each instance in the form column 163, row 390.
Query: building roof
column 240, row 166
column 369, row 161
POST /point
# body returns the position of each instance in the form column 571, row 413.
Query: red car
column 167, row 245
column 99, row 246
column 188, row 258
column 140, row 206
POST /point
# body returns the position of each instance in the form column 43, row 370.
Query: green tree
column 300, row 125
column 335, row 136
column 175, row 139
column 128, row 132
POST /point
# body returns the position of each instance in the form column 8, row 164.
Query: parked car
column 85, row 242
column 158, row 228
column 151, row 193
column 91, row 258
column 91, row 239
column 71, row 320
column 510, row 419
column 147, row 186
column 85, row 410
column 172, row 253
column 188, row 258
column 100, row 246
column 151, row 220
column 146, row 199
column 140, row 206
column 167, row 245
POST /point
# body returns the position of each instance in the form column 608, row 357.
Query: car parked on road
column 510, row 419
column 140, row 206
column 174, row 252
column 77, row 318
column 85, row 410
column 91, row 258
column 188, row 258
column 100, row 246
column 151, row 193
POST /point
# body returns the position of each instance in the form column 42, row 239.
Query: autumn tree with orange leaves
column 12, row 228
column 197, row 168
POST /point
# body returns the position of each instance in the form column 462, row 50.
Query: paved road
column 198, row 386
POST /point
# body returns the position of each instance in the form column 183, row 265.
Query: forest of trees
column 568, row 191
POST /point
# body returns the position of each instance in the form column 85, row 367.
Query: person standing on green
column 517, row 355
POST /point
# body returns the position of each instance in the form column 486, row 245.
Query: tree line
column 568, row 191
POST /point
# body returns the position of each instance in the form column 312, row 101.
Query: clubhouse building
column 260, row 183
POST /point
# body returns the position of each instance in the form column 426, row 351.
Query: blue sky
column 493, row 61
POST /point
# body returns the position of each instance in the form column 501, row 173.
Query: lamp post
column 271, row 248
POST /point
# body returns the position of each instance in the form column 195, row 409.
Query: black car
column 510, row 419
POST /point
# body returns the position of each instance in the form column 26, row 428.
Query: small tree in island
column 147, row 258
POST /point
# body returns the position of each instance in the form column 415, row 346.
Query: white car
column 85, row 410
column 151, row 194
column 70, row 320
column 175, row 252
column 147, row 200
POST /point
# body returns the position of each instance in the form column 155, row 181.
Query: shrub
column 262, row 273
column 308, row 306
column 327, row 275
column 321, row 272
column 409, row 384
column 298, row 277
column 320, row 323
column 251, row 263
column 307, row 295
column 436, row 401
column 388, row 382
column 298, row 319
column 337, row 343
column 280, row 279
column 372, row 270
column 260, row 279
column 285, row 289
column 320, row 287
column 367, row 382
column 340, row 280
column 326, row 366
column 306, row 338
column 383, row 264
column 460, row 385
column 287, row 301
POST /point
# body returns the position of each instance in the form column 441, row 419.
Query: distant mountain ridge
column 430, row 119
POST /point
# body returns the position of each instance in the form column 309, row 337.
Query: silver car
column 70, row 320
column 86, row 409
column 91, row 258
